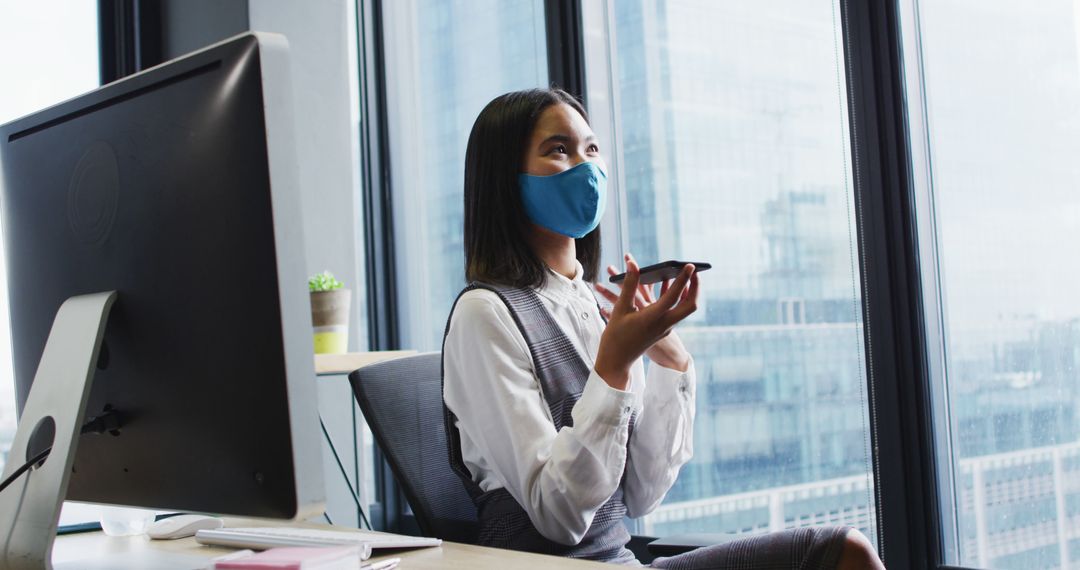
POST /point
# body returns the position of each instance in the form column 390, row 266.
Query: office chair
column 402, row 402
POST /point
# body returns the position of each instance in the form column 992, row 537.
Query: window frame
column 933, row 303
column 565, row 46
column 388, row 507
column 130, row 37
column 900, row 393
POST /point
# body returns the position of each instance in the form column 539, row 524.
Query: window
column 998, row 128
column 48, row 53
column 726, row 129
column 729, row 124
column 444, row 62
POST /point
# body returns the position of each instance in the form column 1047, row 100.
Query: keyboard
column 262, row 538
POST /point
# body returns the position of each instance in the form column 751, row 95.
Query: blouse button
column 585, row 315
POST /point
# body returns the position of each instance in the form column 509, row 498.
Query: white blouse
column 508, row 439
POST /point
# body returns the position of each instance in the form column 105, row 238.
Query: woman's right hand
column 631, row 331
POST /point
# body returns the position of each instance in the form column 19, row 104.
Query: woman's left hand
column 669, row 351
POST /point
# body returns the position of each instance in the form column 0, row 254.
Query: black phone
column 661, row 271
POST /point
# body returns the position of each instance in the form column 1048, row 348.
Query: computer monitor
column 176, row 187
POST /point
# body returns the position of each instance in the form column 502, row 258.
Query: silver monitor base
column 30, row 506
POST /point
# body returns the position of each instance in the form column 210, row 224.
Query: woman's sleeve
column 663, row 439
column 560, row 478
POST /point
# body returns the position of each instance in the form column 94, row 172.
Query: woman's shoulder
column 479, row 305
column 481, row 318
column 482, row 298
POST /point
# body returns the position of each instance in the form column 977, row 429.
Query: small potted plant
column 329, row 313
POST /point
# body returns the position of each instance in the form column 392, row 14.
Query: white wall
column 322, row 48
column 319, row 41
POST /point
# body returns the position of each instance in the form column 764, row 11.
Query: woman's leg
column 811, row 548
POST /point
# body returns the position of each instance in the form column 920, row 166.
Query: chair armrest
column 681, row 543
column 639, row 545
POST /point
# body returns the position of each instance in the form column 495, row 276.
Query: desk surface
column 346, row 363
column 121, row 553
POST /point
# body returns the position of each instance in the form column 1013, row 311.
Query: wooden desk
column 327, row 364
column 139, row 552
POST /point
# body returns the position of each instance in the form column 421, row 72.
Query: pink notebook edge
column 291, row 558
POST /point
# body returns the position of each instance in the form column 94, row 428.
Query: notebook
column 298, row 558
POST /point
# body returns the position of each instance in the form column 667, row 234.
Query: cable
column 356, row 500
column 25, row 467
column 106, row 422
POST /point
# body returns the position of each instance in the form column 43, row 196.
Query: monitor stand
column 54, row 412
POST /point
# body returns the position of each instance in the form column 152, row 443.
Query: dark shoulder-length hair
column 496, row 226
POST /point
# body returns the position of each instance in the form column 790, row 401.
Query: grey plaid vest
column 562, row 374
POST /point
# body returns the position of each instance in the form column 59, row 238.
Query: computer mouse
column 182, row 526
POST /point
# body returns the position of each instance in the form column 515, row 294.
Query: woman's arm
column 663, row 438
column 559, row 478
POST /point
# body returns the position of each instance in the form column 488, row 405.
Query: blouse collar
column 557, row 285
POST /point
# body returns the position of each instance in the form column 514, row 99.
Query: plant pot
column 330, row 319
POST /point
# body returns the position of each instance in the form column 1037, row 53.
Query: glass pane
column 48, row 53
column 445, row 61
column 1003, row 124
column 731, row 125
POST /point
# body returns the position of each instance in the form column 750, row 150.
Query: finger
column 625, row 303
column 650, row 294
column 606, row 293
column 613, row 272
column 664, row 286
column 695, row 289
column 639, row 299
column 639, row 293
column 671, row 296
column 687, row 306
column 691, row 290
column 674, row 317
column 643, row 289
column 605, row 313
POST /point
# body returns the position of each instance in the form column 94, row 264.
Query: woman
column 555, row 427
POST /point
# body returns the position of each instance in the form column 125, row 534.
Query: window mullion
column 565, row 47
column 909, row 525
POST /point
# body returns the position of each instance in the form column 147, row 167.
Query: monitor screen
column 177, row 188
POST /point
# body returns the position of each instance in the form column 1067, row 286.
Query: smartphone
column 661, row 271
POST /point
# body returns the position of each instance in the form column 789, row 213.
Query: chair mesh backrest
column 402, row 402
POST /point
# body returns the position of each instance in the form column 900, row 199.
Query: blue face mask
column 570, row 203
